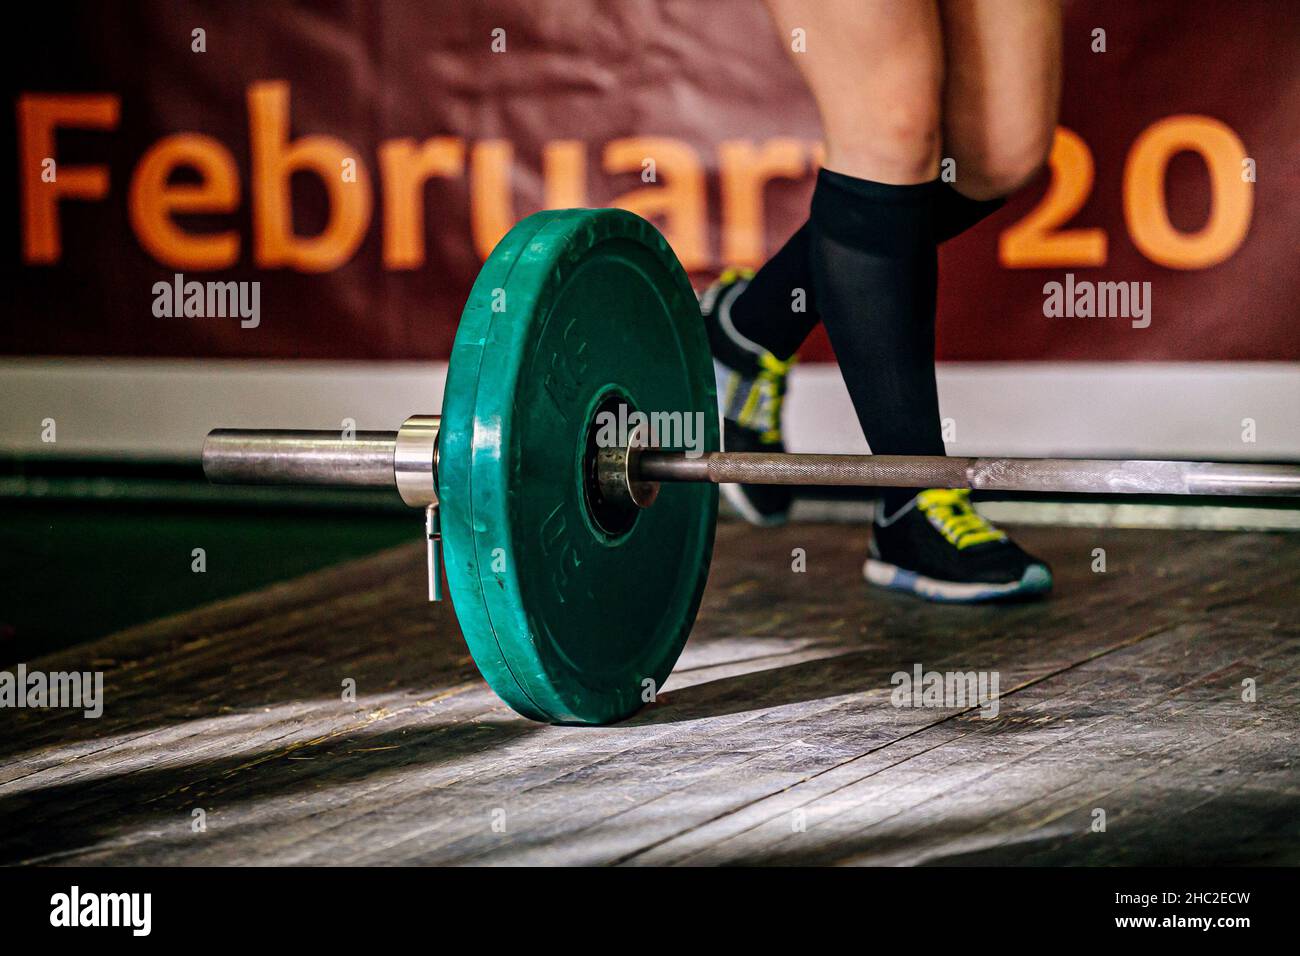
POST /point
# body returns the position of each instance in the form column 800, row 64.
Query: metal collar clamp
column 415, row 460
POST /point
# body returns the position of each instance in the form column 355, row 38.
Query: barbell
column 577, row 532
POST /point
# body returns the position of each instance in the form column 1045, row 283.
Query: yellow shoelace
column 733, row 273
column 763, row 404
column 950, row 511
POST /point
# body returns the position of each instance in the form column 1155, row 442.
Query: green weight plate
column 570, row 612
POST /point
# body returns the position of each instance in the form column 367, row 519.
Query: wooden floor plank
column 781, row 702
column 1088, row 736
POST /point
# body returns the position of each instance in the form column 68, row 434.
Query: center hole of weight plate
column 611, row 506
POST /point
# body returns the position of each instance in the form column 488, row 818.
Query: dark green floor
column 74, row 569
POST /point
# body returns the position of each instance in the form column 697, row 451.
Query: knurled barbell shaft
column 234, row 456
column 1060, row 475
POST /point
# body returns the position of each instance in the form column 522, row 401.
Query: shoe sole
column 1037, row 579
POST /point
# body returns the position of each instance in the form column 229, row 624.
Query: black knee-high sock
column 765, row 312
column 955, row 213
column 866, row 261
column 874, row 267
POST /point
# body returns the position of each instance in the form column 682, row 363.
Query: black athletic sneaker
column 937, row 547
column 751, row 388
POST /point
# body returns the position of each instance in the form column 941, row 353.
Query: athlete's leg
column 865, row 264
column 999, row 106
column 1003, row 80
column 876, row 71
column 1002, row 93
column 871, row 253
column 874, row 67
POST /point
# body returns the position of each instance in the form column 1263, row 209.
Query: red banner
column 359, row 162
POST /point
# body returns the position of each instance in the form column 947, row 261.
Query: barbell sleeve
column 406, row 459
column 296, row 457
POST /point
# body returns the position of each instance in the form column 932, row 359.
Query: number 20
column 1038, row 241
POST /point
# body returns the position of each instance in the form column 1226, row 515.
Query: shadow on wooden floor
column 142, row 796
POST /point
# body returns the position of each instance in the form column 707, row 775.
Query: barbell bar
column 407, row 461
column 577, row 567
column 372, row 459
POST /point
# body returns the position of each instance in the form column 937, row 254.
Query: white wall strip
column 1075, row 409
column 162, row 408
